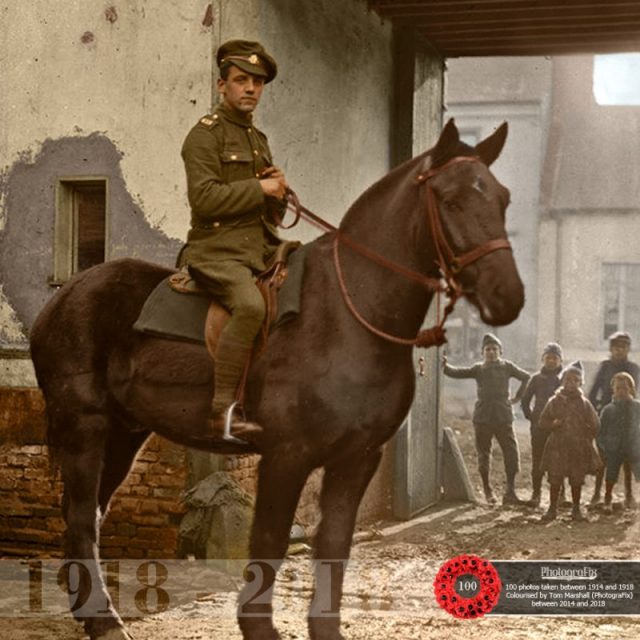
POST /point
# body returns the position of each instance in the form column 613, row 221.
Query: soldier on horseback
column 234, row 191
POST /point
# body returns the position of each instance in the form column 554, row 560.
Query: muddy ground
column 389, row 586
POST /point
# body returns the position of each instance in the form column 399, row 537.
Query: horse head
column 466, row 207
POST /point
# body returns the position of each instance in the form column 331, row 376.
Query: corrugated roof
column 519, row 27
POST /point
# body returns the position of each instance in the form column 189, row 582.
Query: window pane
column 90, row 203
column 621, row 296
column 632, row 300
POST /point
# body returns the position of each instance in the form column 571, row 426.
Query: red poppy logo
column 467, row 586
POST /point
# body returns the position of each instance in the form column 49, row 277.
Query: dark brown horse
column 328, row 391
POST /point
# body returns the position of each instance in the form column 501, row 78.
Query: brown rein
column 449, row 264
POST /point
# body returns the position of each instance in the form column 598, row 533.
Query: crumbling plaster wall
column 111, row 89
column 93, row 89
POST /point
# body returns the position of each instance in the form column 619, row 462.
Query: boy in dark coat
column 619, row 435
column 600, row 396
column 572, row 423
column 493, row 413
column 540, row 388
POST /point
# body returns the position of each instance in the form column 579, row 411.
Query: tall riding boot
column 231, row 358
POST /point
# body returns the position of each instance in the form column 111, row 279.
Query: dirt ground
column 388, row 591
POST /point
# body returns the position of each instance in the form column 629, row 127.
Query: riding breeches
column 233, row 285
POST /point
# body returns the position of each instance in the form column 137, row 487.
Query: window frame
column 65, row 239
column 622, row 312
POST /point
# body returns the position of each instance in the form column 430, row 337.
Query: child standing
column 540, row 388
column 600, row 396
column 619, row 435
column 493, row 414
column 572, row 423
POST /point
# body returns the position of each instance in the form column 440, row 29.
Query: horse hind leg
column 82, row 462
column 343, row 486
column 121, row 448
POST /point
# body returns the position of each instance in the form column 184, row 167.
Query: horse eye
column 450, row 205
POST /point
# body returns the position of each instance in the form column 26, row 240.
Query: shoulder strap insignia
column 209, row 121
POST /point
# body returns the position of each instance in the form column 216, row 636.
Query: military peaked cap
column 248, row 56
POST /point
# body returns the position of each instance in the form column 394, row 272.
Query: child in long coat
column 619, row 435
column 569, row 451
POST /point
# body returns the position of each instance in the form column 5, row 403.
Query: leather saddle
column 268, row 282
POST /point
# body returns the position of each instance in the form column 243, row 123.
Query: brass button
column 257, row 175
column 234, row 156
column 249, row 130
column 215, row 116
column 255, row 152
column 216, row 224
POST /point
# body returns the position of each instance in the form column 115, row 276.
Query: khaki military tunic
column 232, row 233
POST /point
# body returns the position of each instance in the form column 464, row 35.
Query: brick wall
column 146, row 511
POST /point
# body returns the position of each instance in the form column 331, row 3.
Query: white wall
column 143, row 80
column 327, row 113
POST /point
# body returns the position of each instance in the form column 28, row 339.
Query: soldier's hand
column 272, row 172
column 274, row 187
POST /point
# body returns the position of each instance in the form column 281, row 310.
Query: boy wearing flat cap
column 234, row 190
column 600, row 396
column 493, row 413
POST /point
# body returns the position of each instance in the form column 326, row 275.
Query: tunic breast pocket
column 237, row 165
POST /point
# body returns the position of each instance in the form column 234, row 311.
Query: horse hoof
column 119, row 633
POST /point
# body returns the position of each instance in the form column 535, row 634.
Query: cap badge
column 253, row 59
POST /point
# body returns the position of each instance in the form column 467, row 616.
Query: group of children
column 572, row 435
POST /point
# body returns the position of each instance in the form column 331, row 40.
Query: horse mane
column 404, row 173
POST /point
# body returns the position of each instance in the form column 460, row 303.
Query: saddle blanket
column 181, row 316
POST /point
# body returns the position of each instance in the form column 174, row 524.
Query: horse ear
column 489, row 149
column 447, row 144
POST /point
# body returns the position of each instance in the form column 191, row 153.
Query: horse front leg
column 343, row 486
column 280, row 482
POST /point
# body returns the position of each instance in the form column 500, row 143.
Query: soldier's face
column 241, row 90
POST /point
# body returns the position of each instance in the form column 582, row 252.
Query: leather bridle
column 450, row 264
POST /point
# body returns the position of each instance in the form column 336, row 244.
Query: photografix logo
column 467, row 586
column 568, row 573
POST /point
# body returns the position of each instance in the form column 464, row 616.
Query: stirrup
column 227, row 425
